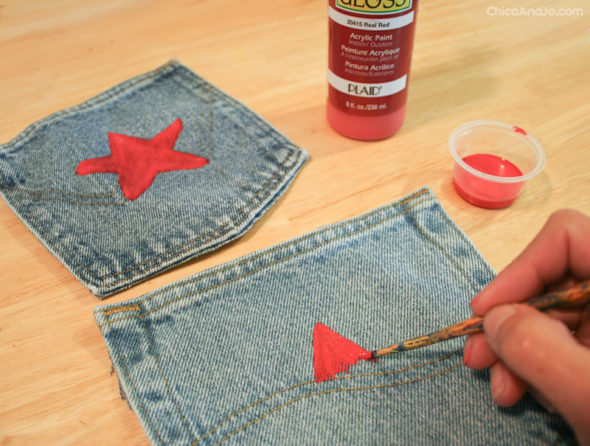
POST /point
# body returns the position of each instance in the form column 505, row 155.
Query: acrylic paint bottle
column 370, row 49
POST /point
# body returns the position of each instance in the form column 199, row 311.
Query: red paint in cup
column 493, row 160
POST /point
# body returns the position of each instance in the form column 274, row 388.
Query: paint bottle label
column 369, row 55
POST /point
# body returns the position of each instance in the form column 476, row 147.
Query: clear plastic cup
column 493, row 160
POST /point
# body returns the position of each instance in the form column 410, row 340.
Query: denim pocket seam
column 219, row 232
column 463, row 236
column 444, row 251
column 165, row 380
column 254, row 118
column 128, row 376
column 30, row 195
column 122, row 309
column 304, row 383
column 281, row 246
column 184, row 296
column 332, row 391
column 82, row 203
column 57, row 246
column 406, row 210
column 9, row 188
column 199, row 87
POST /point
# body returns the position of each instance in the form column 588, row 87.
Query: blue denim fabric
column 225, row 356
column 109, row 242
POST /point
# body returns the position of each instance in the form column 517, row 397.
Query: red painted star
column 137, row 161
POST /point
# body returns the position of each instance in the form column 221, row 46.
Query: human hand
column 547, row 353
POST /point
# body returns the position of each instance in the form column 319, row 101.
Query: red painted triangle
column 333, row 353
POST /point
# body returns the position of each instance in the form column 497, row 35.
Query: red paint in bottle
column 370, row 51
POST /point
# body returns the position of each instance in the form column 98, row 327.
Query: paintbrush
column 576, row 295
column 333, row 353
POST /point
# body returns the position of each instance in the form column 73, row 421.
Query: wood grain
column 531, row 71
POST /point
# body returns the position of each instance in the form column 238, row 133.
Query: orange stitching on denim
column 126, row 371
column 461, row 234
column 294, row 386
column 122, row 309
column 260, row 268
column 330, row 391
column 56, row 241
column 226, row 227
column 445, row 252
column 251, row 271
column 56, row 191
column 297, row 241
column 25, row 195
column 166, row 383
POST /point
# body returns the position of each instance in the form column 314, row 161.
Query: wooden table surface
column 470, row 62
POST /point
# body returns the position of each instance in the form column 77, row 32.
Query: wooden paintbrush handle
column 577, row 295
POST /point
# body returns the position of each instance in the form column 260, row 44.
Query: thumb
column 543, row 353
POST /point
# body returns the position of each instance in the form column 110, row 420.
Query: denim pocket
column 157, row 170
column 226, row 356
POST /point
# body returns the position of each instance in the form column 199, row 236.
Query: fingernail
column 494, row 319
column 467, row 351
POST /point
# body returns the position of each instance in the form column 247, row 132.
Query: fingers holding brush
column 478, row 354
column 556, row 259
column 546, row 353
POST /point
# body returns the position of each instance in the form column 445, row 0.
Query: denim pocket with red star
column 148, row 174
